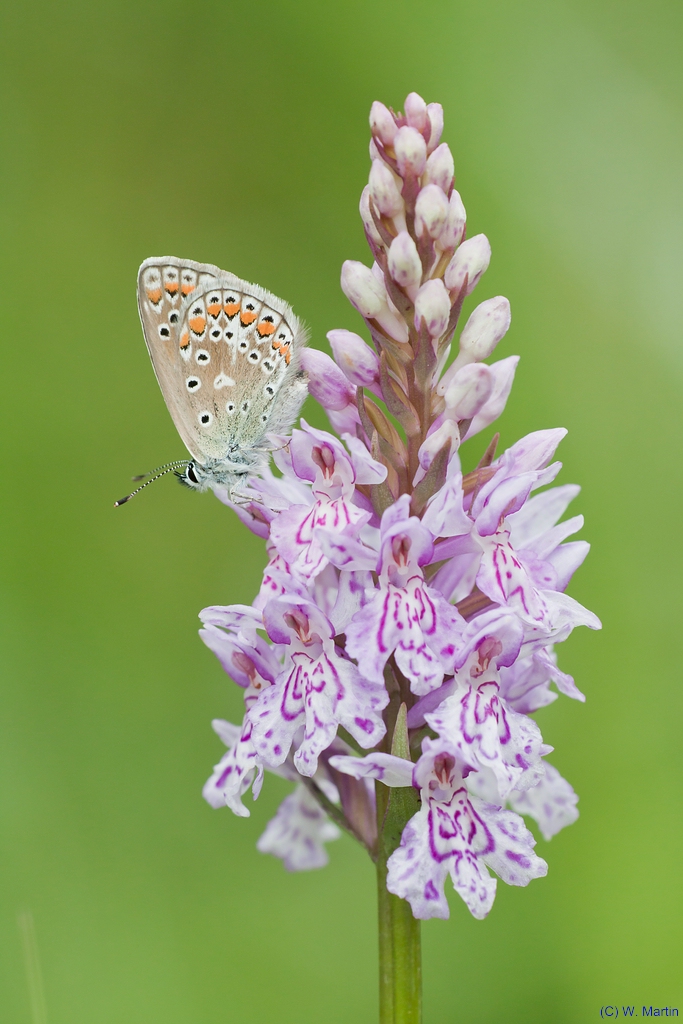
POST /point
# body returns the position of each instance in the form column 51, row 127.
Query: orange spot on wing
column 197, row 324
column 187, row 288
column 214, row 309
column 184, row 339
column 265, row 328
column 276, row 345
column 171, row 287
column 154, row 295
column 231, row 308
column 247, row 318
column 287, row 354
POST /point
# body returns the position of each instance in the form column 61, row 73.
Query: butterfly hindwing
column 226, row 354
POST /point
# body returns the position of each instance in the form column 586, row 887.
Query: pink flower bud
column 433, row 305
column 435, row 111
column 484, row 329
column 503, row 373
column 416, row 111
column 469, row 390
column 455, row 223
column 384, row 189
column 470, row 261
column 357, row 360
column 411, row 151
column 326, row 382
column 374, row 152
column 440, row 167
column 367, row 218
column 405, row 266
column 431, row 211
column 434, row 442
column 362, row 288
column 382, row 123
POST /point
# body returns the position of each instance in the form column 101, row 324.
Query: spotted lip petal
column 298, row 833
column 405, row 617
column 488, row 734
column 321, row 459
column 318, row 688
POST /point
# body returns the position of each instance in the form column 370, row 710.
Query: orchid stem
column 400, row 961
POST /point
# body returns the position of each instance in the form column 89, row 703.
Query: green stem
column 400, row 966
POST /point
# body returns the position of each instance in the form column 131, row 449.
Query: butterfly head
column 223, row 475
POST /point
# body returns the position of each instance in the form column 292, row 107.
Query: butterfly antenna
column 164, row 470
column 166, row 465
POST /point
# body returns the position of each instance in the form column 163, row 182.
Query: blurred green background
column 236, row 133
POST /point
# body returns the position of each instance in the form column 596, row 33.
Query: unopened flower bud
column 384, row 189
column 503, row 373
column 411, row 151
column 416, row 111
column 362, row 288
column 405, row 266
column 367, row 218
column 454, row 227
column 434, row 442
column 357, row 360
column 433, row 306
column 435, row 111
column 470, row 261
column 484, row 329
column 382, row 123
column 468, row 391
column 374, row 152
column 440, row 167
column 326, row 382
column 431, row 211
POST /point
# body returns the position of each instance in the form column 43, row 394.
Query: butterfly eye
column 193, row 383
column 191, row 475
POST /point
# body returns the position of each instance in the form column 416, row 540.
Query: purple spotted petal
column 414, row 622
column 320, row 691
column 552, row 803
column 387, row 768
column 487, row 734
column 298, row 832
column 443, row 838
column 511, row 849
column 235, row 772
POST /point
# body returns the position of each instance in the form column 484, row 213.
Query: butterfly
column 227, row 356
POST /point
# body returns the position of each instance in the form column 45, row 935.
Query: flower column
column 414, row 222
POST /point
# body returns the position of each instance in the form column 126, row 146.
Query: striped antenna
column 163, row 470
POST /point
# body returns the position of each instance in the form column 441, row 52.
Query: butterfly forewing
column 226, row 355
